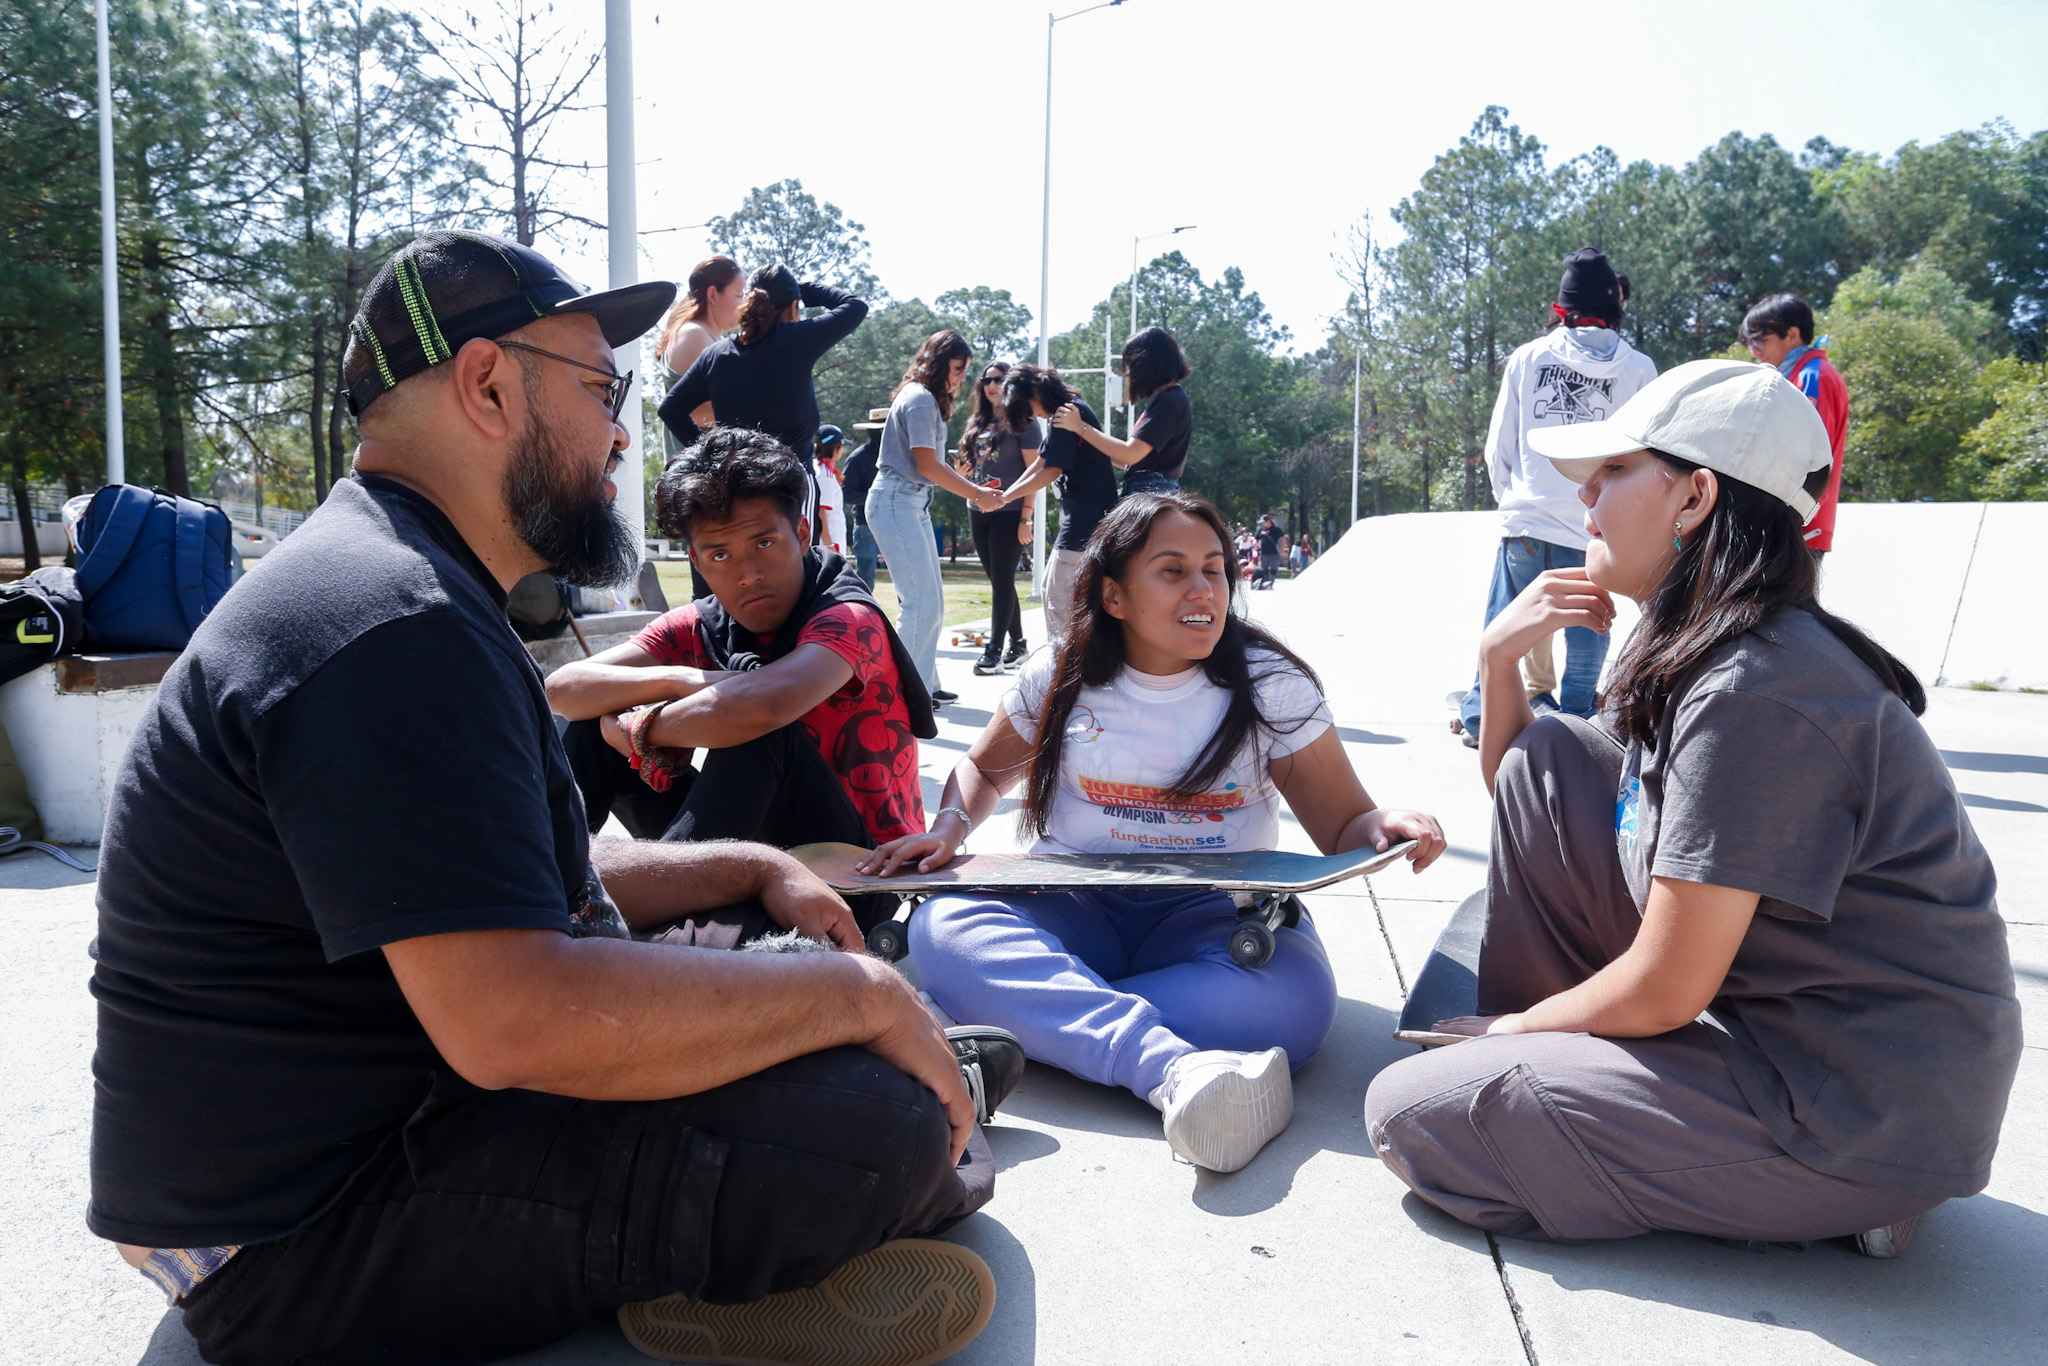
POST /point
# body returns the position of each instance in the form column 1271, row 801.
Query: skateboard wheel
column 1251, row 945
column 886, row 941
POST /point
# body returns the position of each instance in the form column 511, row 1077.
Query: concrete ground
column 1107, row 1250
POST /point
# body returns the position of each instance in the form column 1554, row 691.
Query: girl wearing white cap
column 1743, row 973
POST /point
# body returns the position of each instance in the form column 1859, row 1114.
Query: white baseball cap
column 1734, row 417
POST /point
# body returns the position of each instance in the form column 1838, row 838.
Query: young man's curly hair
column 727, row 465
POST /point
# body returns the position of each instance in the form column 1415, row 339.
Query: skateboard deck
column 1448, row 985
column 1261, row 870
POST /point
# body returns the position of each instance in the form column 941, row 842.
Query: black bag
column 41, row 617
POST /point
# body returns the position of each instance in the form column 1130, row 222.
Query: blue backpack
column 151, row 565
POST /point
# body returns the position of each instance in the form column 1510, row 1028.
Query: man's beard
column 568, row 523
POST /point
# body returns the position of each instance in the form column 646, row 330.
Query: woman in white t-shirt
column 1164, row 723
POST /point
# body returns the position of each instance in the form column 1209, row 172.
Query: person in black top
column 1156, row 456
column 1269, row 551
column 994, row 456
column 856, row 477
column 1087, row 486
column 382, row 1070
column 761, row 378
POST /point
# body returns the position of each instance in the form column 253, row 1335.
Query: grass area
column 967, row 592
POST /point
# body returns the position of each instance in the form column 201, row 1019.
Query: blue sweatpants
column 1114, row 986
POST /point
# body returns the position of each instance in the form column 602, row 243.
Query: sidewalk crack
column 1400, row 978
column 1514, row 1305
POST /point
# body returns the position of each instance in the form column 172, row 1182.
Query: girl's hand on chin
column 1389, row 828
column 1556, row 599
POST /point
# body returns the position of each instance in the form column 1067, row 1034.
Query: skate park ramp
column 1951, row 588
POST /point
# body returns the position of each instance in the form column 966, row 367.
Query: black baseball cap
column 445, row 288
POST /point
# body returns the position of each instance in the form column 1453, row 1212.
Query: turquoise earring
column 1678, row 535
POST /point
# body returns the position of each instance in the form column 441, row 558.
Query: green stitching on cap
column 414, row 291
column 377, row 352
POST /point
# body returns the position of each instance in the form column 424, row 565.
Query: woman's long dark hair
column 1092, row 654
column 928, row 367
column 1746, row 560
column 984, row 419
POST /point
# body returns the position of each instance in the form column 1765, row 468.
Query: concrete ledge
column 70, row 722
column 602, row 629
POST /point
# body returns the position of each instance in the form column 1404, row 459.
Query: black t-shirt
column 1087, row 489
column 355, row 749
column 1269, row 540
column 1166, row 425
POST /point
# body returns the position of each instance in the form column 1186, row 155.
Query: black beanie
column 1591, row 287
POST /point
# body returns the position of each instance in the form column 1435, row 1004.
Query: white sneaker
column 1222, row 1107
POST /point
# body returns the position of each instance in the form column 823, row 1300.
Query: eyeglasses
column 987, row 380
column 614, row 393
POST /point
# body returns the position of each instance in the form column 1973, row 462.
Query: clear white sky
column 1271, row 125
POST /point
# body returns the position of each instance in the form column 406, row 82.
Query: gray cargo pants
column 1569, row 1136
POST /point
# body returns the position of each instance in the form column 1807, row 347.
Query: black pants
column 776, row 790
column 495, row 1222
column 996, row 543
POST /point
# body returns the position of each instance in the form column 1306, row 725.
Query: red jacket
column 1822, row 382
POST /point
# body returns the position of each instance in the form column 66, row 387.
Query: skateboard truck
column 889, row 939
column 1259, row 914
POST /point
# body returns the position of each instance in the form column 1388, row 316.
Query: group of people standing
column 1027, row 429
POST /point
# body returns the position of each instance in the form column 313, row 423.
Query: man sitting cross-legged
column 787, row 676
column 382, row 1076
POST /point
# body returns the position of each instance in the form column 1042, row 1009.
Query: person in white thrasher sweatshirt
column 1580, row 370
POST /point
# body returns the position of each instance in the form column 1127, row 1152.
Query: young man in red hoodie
column 1779, row 331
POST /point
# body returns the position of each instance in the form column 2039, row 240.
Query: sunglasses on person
column 615, row 390
column 987, row 380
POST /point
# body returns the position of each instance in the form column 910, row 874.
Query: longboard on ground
column 1265, row 883
column 1448, row 985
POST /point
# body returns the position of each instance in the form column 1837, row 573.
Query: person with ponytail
column 708, row 310
column 899, row 503
column 1743, row 973
column 761, row 377
column 1162, row 722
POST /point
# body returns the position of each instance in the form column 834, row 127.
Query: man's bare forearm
column 609, row 1019
column 653, row 881
column 586, row 689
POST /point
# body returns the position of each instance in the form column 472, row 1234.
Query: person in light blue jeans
column 899, row 506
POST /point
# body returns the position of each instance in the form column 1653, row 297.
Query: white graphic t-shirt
column 1127, row 742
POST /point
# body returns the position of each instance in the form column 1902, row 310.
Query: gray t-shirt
column 1869, row 1016
column 914, row 420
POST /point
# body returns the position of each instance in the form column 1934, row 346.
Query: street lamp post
column 622, row 209
column 1130, row 408
column 110, row 278
column 1357, row 378
column 1045, row 281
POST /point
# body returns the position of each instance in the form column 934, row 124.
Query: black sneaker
column 988, row 664
column 1014, row 656
column 991, row 1063
column 940, row 697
